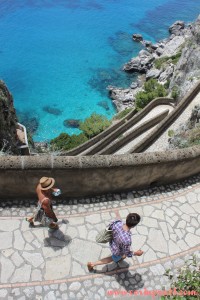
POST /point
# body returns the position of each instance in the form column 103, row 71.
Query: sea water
column 58, row 57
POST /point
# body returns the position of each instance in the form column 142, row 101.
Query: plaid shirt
column 121, row 242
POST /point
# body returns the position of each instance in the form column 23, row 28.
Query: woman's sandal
column 90, row 268
column 30, row 221
column 53, row 226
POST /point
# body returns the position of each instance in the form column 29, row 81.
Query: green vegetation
column 94, row 125
column 90, row 127
column 160, row 62
column 185, row 139
column 122, row 114
column 30, row 139
column 188, row 281
column 152, row 90
column 175, row 92
column 170, row 133
column 66, row 142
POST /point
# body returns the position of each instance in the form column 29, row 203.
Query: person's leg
column 103, row 261
column 30, row 220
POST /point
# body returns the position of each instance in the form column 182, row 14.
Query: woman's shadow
column 57, row 239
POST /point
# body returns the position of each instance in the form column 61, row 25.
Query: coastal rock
column 8, row 121
column 52, row 110
column 72, row 123
column 153, row 73
column 159, row 51
column 147, row 44
column 137, row 37
column 103, row 104
column 176, row 27
column 134, row 85
column 187, row 70
column 166, row 74
column 173, row 46
column 182, row 73
column 141, row 63
column 123, row 98
column 154, row 46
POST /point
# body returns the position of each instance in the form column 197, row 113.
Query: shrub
column 160, row 62
column 94, row 125
column 30, row 139
column 189, row 138
column 188, row 280
column 66, row 142
column 152, row 90
column 170, row 132
column 175, row 92
column 122, row 114
column 175, row 58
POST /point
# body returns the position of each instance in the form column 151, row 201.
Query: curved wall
column 92, row 175
column 103, row 139
column 86, row 176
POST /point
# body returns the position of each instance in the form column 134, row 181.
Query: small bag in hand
column 104, row 236
column 39, row 214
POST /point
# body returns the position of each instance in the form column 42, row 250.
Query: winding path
column 152, row 114
column 40, row 264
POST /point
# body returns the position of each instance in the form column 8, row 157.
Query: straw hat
column 46, row 183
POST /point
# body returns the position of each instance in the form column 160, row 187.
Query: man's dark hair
column 132, row 220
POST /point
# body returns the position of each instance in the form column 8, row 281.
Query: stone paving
column 152, row 114
column 37, row 263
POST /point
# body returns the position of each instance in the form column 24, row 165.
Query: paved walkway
column 152, row 114
column 40, row 264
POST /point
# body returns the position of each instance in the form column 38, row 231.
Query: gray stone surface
column 57, row 259
column 58, row 267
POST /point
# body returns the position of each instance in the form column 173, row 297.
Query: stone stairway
column 40, row 264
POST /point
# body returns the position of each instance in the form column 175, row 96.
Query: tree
column 94, row 125
column 66, row 142
column 152, row 90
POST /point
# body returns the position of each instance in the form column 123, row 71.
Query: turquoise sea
column 58, row 57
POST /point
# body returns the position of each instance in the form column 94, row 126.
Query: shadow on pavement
column 57, row 239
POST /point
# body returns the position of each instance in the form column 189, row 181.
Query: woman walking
column 44, row 190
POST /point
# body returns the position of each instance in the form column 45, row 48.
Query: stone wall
column 86, row 176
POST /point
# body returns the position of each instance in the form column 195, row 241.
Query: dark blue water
column 58, row 57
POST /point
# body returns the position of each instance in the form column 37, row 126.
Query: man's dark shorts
column 116, row 258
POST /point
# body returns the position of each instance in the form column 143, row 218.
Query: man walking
column 121, row 242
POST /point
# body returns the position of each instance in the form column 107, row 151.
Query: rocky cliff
column 8, row 122
column 174, row 61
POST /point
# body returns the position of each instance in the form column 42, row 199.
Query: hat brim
column 49, row 186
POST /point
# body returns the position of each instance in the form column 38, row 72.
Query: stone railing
column 22, row 136
column 93, row 175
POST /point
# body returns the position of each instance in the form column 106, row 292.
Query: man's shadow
column 130, row 281
column 57, row 239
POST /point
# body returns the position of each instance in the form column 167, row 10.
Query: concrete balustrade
column 92, row 175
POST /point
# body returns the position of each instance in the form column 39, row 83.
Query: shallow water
column 58, row 57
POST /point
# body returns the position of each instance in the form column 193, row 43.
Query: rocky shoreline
column 174, row 61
